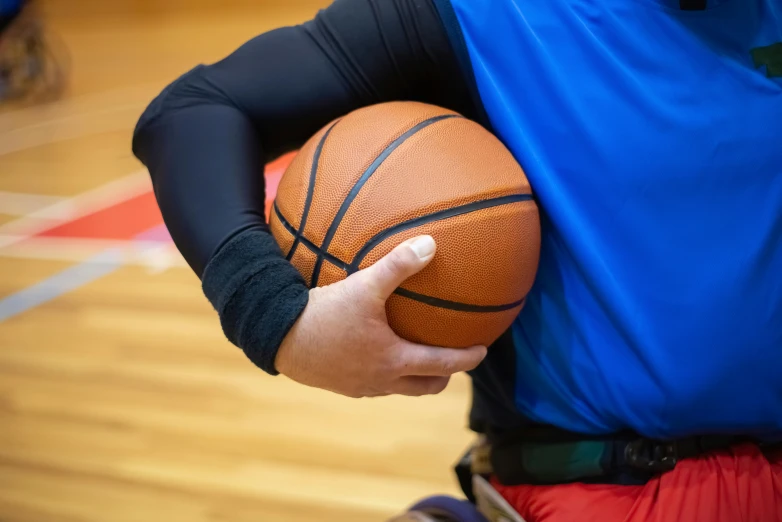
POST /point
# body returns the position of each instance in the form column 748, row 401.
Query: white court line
column 117, row 118
column 59, row 284
column 21, row 204
column 86, row 203
column 71, row 118
column 155, row 255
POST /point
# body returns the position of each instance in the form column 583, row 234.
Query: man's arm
column 207, row 136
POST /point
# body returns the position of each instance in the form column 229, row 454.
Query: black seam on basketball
column 309, row 244
column 362, row 180
column 310, row 190
column 454, row 305
column 429, row 218
column 436, row 216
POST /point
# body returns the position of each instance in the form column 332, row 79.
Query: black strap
column 654, row 457
column 464, row 474
column 544, row 455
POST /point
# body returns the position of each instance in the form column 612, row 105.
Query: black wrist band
column 257, row 293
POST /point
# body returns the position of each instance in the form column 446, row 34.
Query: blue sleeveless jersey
column 652, row 137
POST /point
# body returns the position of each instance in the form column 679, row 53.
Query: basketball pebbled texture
column 389, row 172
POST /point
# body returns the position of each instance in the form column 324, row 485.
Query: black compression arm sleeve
column 206, row 137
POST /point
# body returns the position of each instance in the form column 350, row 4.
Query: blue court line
column 59, row 284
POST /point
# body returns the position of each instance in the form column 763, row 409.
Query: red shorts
column 739, row 485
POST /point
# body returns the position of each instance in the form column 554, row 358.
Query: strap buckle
column 646, row 455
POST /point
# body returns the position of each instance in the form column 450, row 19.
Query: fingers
column 423, row 360
column 405, row 260
column 414, row 386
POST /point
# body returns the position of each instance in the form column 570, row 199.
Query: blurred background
column 120, row 399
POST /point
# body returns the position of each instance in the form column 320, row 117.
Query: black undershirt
column 206, row 137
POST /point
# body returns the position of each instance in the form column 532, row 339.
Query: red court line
column 129, row 218
column 124, row 220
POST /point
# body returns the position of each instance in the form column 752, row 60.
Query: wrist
column 257, row 294
column 285, row 358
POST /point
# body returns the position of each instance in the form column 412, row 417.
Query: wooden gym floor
column 120, row 400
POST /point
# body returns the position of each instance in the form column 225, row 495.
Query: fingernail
column 423, row 246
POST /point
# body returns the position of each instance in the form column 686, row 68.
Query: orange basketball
column 389, row 172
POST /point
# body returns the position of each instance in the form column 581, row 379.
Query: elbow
column 188, row 91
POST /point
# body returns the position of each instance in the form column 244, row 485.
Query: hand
column 342, row 341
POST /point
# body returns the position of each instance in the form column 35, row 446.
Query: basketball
column 393, row 171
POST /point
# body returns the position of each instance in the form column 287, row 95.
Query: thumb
column 407, row 259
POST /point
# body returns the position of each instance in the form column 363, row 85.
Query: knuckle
column 395, row 262
column 394, row 366
column 447, row 367
column 383, row 375
column 399, row 359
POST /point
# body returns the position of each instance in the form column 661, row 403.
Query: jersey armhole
column 454, row 31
